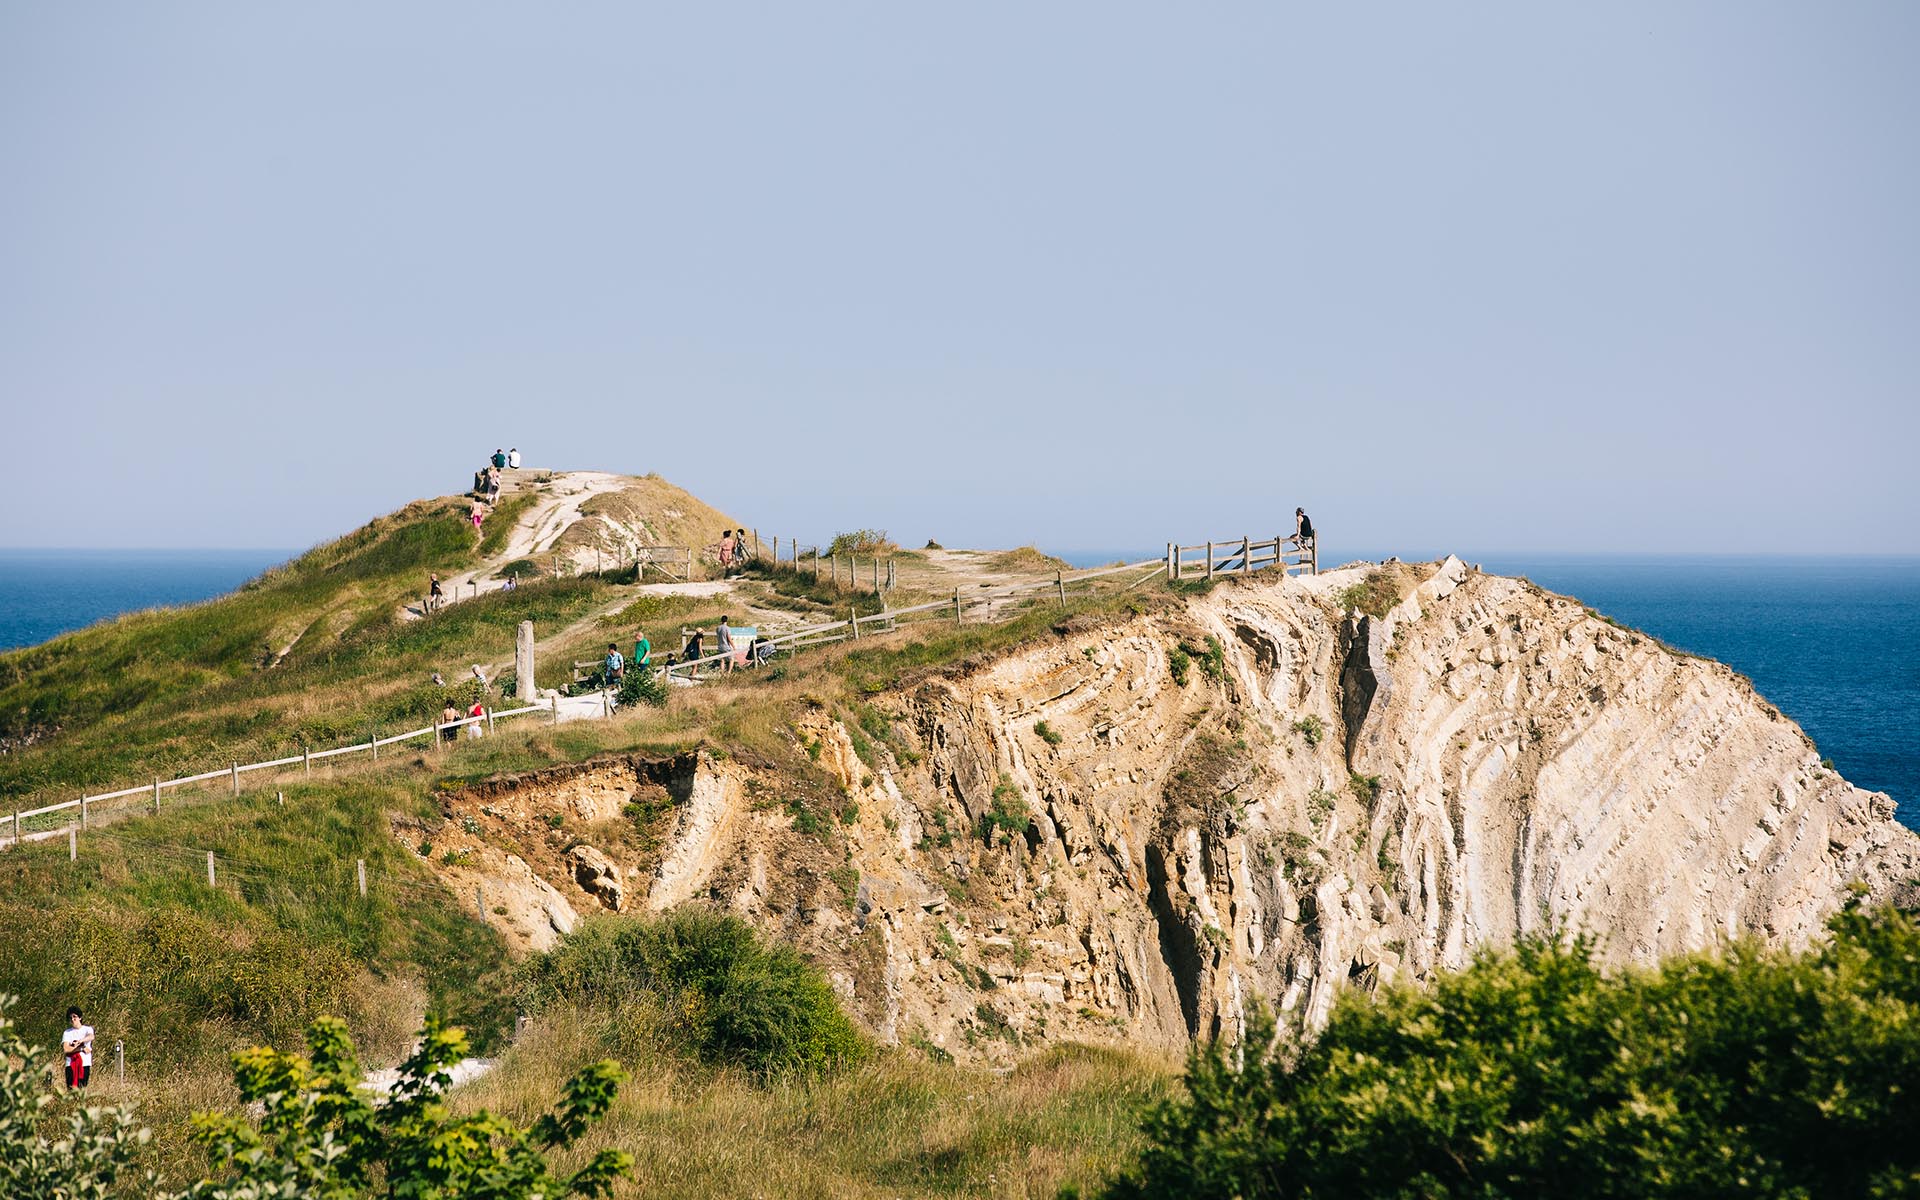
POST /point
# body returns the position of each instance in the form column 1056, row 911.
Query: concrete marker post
column 210, row 878
column 360, row 866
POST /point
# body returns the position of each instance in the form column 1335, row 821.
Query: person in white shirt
column 513, row 459
column 77, row 1044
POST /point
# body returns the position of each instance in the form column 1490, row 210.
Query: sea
column 1834, row 642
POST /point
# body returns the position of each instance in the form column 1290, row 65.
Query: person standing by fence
column 615, row 666
column 77, row 1045
column 1302, row 528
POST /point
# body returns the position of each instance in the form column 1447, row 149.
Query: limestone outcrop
column 1132, row 829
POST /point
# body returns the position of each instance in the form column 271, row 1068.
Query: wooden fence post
column 556, row 710
column 306, row 759
column 360, row 866
column 1209, row 560
column 1246, row 554
column 1060, row 583
column 156, row 794
column 373, row 742
column 956, row 606
column 489, row 711
column 210, row 882
column 856, row 621
column 73, row 844
column 83, row 810
column 119, row 1061
column 16, row 827
column 876, row 574
column 236, row 779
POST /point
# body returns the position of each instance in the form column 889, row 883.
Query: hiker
column 1302, row 528
column 435, row 597
column 449, row 731
column 723, row 641
column 513, row 459
column 476, row 515
column 740, row 550
column 76, row 1042
column 642, row 649
column 691, row 652
column 479, row 709
column 726, row 549
column 493, row 484
column 499, row 458
column 616, row 667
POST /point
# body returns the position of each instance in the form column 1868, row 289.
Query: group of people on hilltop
column 486, row 483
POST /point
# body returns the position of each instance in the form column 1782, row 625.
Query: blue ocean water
column 48, row 592
column 1834, row 642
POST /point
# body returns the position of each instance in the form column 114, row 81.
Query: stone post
column 523, row 663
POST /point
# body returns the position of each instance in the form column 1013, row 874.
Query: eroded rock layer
column 1132, row 829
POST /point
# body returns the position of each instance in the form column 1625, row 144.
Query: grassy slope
column 184, row 973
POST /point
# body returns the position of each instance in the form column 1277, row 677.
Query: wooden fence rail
column 1207, row 559
column 1242, row 556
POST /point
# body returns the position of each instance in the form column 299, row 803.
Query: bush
column 1008, row 811
column 861, row 541
column 1312, row 728
column 319, row 1132
column 1531, row 1073
column 1048, row 733
column 1178, row 660
column 719, row 992
column 94, row 1148
column 641, row 686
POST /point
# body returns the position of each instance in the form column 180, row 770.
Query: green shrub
column 1748, row 1072
column 1376, row 594
column 1364, row 787
column 721, row 994
column 520, row 568
column 1312, row 728
column 92, row 1148
column 861, row 541
column 640, row 685
column 319, row 1132
column 1048, row 733
column 1214, row 660
column 1178, row 662
column 1008, row 810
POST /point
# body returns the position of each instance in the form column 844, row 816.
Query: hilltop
column 1116, row 816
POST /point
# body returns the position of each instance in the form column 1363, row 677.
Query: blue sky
column 1582, row 278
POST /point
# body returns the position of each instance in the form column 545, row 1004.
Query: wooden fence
column 1242, row 556
column 1205, row 560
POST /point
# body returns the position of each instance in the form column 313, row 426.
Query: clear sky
column 1578, row 277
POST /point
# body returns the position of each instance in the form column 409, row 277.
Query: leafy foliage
column 1375, row 595
column 714, row 986
column 641, row 685
column 1312, row 728
column 94, row 1146
column 1007, row 811
column 1532, row 1073
column 320, row 1135
column 861, row 541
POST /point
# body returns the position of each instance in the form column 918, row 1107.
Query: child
column 77, row 1044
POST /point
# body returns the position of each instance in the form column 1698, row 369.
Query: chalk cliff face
column 1131, row 830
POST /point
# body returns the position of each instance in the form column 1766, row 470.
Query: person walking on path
column 435, row 597
column 476, row 516
column 513, row 459
column 77, row 1044
column 726, row 550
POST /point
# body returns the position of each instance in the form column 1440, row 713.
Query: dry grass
column 1029, row 559
column 897, row 1126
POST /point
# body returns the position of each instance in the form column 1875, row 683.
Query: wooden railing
column 1243, row 556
